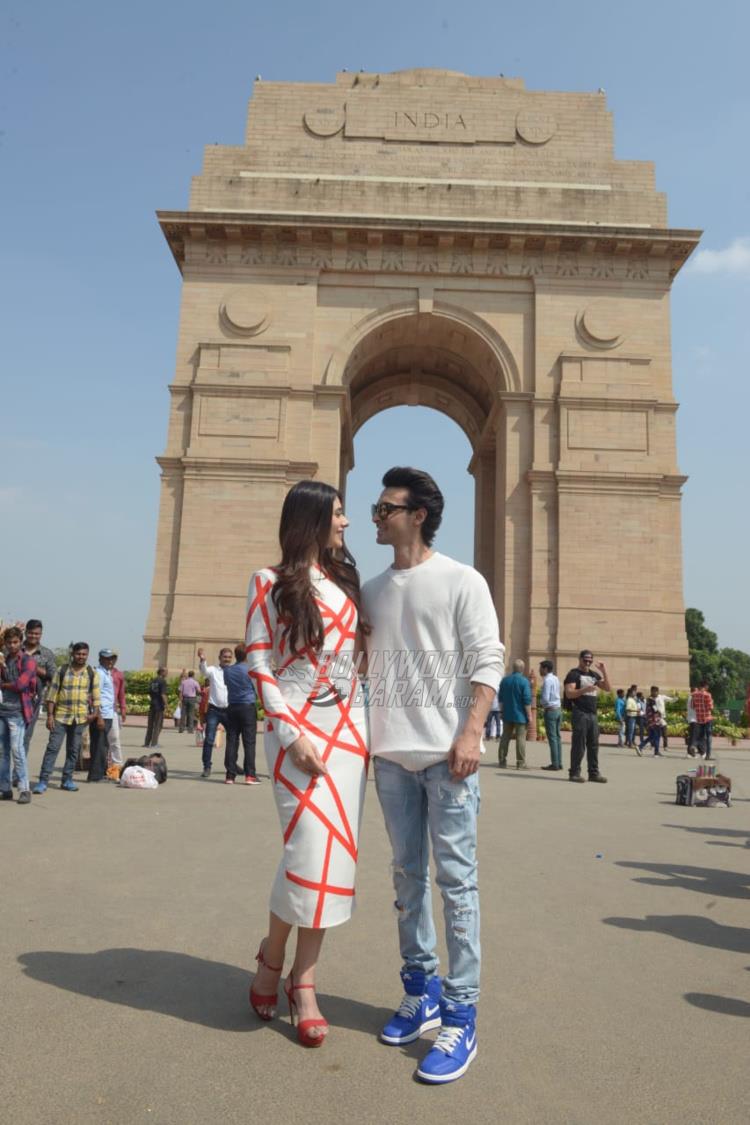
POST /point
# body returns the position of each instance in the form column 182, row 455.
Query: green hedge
column 137, row 697
column 677, row 726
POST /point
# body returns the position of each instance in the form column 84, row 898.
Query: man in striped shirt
column 72, row 701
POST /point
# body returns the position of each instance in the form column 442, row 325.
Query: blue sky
column 104, row 113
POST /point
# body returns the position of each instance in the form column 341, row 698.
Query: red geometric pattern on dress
column 305, row 800
column 337, row 629
column 259, row 602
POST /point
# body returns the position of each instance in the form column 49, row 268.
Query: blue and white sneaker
column 419, row 1011
column 455, row 1047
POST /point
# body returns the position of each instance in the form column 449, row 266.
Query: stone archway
column 457, row 242
column 440, row 357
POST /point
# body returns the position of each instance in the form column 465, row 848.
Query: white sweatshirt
column 434, row 634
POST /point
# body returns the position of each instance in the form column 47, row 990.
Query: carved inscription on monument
column 535, row 128
column 325, row 120
column 416, row 116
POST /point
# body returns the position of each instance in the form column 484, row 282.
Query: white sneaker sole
column 435, row 1078
column 394, row 1041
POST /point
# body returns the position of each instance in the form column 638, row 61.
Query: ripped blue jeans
column 423, row 807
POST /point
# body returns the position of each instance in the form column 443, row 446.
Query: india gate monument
column 428, row 238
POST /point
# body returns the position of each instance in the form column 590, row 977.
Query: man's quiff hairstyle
column 423, row 493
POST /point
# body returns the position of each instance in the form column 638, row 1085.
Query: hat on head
column 106, row 652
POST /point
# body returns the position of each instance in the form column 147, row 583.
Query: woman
column 303, row 628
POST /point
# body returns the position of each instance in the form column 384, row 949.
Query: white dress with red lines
column 318, row 695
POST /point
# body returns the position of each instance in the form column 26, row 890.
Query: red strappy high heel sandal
column 257, row 1000
column 304, row 1027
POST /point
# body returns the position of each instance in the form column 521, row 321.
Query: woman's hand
column 305, row 757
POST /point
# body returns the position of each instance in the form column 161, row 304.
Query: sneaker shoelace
column 408, row 1007
column 448, row 1039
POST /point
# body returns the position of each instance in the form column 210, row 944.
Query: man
column 514, row 694
column 72, row 700
column 661, row 706
column 582, row 685
column 116, row 760
column 17, row 696
column 493, row 727
column 656, row 723
column 703, row 705
column 242, row 719
column 157, row 692
column 101, row 727
column 190, row 691
column 641, row 718
column 434, row 661
column 218, row 699
column 45, row 671
column 631, row 717
column 620, row 716
column 551, row 709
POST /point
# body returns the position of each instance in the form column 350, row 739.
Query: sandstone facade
column 463, row 243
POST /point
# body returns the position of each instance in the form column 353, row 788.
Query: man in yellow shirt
column 72, row 701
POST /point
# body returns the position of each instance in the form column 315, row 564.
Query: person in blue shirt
column 620, row 716
column 551, row 706
column 514, row 694
column 242, row 719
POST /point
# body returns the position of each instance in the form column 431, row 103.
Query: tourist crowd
column 641, row 720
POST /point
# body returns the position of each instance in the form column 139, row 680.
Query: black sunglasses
column 383, row 510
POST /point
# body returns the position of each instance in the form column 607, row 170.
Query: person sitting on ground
column 148, row 772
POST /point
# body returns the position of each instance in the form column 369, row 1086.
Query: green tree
column 700, row 637
column 735, row 666
column 725, row 670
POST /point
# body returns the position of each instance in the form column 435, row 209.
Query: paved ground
column 616, row 958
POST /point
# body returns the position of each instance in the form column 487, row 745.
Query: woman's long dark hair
column 304, row 532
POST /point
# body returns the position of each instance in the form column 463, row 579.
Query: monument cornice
column 582, row 480
column 237, row 468
column 216, row 240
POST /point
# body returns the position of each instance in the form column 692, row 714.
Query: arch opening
column 427, row 360
column 428, row 440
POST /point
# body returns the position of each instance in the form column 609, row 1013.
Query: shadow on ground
column 688, row 927
column 706, row 880
column 724, row 1005
column 209, row 993
column 707, row 830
